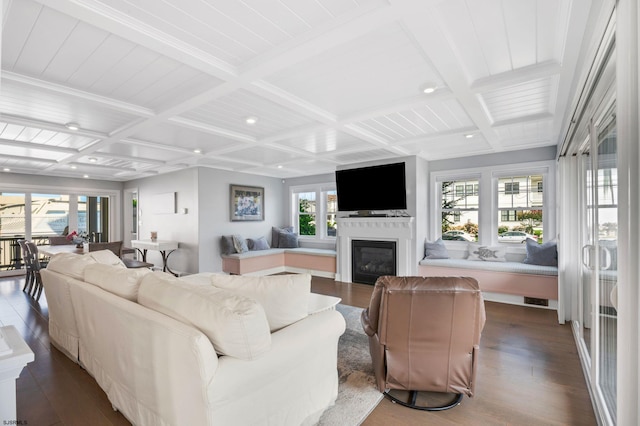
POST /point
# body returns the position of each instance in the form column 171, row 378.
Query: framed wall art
column 247, row 203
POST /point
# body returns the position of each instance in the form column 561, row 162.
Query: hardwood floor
column 529, row 371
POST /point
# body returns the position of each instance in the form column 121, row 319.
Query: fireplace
column 372, row 259
column 387, row 229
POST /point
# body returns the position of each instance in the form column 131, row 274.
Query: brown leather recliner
column 424, row 335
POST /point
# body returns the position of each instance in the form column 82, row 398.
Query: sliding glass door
column 598, row 289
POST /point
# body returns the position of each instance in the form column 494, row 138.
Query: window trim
column 488, row 196
column 321, row 190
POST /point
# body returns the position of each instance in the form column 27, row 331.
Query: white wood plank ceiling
column 160, row 85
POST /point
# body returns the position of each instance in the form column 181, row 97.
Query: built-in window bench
column 507, row 282
column 318, row 262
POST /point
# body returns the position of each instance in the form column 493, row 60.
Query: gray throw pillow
column 288, row 240
column 435, row 250
column 275, row 234
column 240, row 244
column 541, row 254
column 226, row 245
column 258, row 244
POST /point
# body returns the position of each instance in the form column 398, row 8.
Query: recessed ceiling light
column 429, row 87
column 6, row 169
column 92, row 159
column 73, row 166
column 72, row 126
column 85, row 176
column 468, row 135
column 251, row 120
column 197, row 150
column 279, row 166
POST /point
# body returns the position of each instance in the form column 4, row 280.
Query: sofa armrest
column 302, row 359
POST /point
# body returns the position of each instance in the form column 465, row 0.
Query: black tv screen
column 372, row 188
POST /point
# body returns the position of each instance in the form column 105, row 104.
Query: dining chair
column 59, row 240
column 34, row 263
column 26, row 261
column 114, row 246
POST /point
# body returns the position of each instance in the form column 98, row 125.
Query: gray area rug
column 357, row 394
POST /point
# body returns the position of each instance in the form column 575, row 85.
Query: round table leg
column 165, row 258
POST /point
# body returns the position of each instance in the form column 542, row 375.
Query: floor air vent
column 536, row 301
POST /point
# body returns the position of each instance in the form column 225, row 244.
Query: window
column 306, row 202
column 459, row 204
column 485, row 202
column 312, row 203
column 520, row 205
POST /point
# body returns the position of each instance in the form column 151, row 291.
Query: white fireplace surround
column 398, row 229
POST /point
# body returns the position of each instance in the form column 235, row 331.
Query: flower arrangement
column 78, row 238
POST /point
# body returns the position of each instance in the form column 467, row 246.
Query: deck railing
column 10, row 255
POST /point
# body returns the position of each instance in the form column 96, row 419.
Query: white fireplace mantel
column 398, row 229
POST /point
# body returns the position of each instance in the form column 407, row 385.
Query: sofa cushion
column 122, row 282
column 275, row 234
column 435, row 250
column 70, row 264
column 541, row 254
column 235, row 325
column 106, row 257
column 283, row 297
column 486, row 253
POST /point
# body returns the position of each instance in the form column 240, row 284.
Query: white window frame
column 320, row 190
column 488, row 197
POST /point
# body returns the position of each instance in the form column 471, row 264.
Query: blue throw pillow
column 541, row 254
column 275, row 235
column 435, row 250
column 258, row 244
column 288, row 240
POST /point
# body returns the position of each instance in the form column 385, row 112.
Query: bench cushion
column 513, row 267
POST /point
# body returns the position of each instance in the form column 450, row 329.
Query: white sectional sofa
column 196, row 350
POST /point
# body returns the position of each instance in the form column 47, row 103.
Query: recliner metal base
column 414, row 395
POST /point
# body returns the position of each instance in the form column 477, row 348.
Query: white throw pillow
column 106, row 257
column 70, row 264
column 283, row 297
column 235, row 325
column 486, row 253
column 122, row 282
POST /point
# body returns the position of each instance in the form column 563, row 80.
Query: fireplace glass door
column 372, row 259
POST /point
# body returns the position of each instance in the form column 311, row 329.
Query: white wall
column 215, row 216
column 504, row 158
column 170, row 226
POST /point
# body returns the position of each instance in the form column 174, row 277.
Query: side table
column 165, row 248
column 12, row 361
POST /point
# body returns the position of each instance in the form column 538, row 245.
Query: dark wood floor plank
column 529, row 371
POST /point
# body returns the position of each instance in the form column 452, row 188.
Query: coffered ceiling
column 161, row 85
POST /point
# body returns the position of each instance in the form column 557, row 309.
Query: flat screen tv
column 372, row 188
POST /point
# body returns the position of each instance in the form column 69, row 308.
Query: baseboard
column 314, row 272
column 270, row 271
